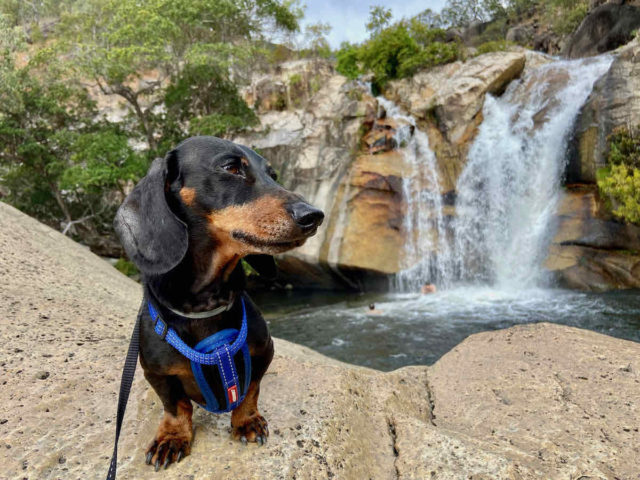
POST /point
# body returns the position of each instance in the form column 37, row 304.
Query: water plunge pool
column 419, row 329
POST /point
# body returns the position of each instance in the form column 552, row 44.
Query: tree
column 379, row 18
column 397, row 50
column 136, row 48
column 316, row 39
column 57, row 157
column 460, row 13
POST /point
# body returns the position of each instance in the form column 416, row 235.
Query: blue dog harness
column 219, row 349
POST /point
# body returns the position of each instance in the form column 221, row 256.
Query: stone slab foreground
column 531, row 402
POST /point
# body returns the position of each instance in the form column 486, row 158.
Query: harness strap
column 170, row 335
column 173, row 339
column 125, row 387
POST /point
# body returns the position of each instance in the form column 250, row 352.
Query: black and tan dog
column 186, row 225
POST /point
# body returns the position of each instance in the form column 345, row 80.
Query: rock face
column 614, row 102
column 313, row 148
column 591, row 251
column 447, row 103
column 604, row 29
column 335, row 145
column 537, row 401
column 337, row 149
column 291, row 85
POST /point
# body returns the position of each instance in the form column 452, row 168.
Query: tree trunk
column 144, row 122
column 61, row 204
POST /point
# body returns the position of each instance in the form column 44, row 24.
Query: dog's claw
column 259, row 440
column 243, row 439
column 148, row 458
column 166, row 461
column 179, row 457
column 157, row 463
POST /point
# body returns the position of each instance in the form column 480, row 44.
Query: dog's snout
column 306, row 216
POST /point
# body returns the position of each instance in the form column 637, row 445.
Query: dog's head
column 217, row 194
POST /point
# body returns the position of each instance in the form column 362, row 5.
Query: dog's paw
column 163, row 452
column 251, row 429
column 171, row 444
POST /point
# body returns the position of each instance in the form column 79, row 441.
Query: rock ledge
column 536, row 401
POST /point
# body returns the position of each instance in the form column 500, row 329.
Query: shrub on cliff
column 396, row 51
column 620, row 182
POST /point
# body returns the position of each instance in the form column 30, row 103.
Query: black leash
column 128, row 372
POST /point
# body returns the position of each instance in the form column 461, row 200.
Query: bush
column 126, row 267
column 620, row 182
column 566, row 16
column 495, row 46
column 622, row 187
column 347, row 61
column 624, row 148
column 397, row 51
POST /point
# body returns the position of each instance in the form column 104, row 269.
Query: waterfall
column 509, row 190
column 427, row 250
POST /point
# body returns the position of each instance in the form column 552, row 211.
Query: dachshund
column 186, row 225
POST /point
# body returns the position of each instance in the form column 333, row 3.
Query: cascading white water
column 509, row 189
column 427, row 250
column 508, row 192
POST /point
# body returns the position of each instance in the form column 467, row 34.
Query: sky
column 347, row 17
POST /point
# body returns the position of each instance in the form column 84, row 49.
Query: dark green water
column 418, row 330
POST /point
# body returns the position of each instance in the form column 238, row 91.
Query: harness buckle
column 165, row 328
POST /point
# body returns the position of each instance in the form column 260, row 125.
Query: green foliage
column 295, row 79
column 379, row 19
column 494, row 46
column 347, row 61
column 126, row 267
column 459, row 13
column 101, row 159
column 397, row 51
column 316, row 42
column 201, row 100
column 249, row 271
column 624, row 148
column 620, row 181
column 622, row 186
column 57, row 160
column 176, row 64
column 147, row 50
column 565, row 15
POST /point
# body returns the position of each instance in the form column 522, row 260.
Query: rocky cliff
column 536, row 401
column 591, row 249
column 337, row 149
column 332, row 141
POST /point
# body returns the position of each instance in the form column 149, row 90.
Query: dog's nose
column 306, row 216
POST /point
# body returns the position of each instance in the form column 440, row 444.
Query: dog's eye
column 232, row 168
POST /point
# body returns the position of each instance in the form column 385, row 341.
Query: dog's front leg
column 175, row 432
column 246, row 422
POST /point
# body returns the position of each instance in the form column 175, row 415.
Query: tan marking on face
column 265, row 218
column 188, row 195
column 244, row 162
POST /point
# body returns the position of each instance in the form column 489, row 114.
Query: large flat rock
column 538, row 401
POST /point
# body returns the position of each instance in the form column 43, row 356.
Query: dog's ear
column 154, row 238
column 265, row 265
